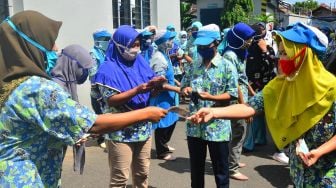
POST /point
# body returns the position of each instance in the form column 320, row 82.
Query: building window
column 4, row 13
column 131, row 12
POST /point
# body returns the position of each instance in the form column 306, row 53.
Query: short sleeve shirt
column 36, row 122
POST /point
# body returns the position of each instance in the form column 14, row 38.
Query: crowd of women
column 136, row 77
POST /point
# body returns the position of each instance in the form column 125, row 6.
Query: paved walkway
column 262, row 170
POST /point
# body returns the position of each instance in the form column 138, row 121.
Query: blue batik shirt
column 241, row 70
column 220, row 78
column 36, row 122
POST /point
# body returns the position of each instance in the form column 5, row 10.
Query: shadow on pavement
column 181, row 165
column 277, row 175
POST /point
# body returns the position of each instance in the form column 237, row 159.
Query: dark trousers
column 219, row 152
column 162, row 137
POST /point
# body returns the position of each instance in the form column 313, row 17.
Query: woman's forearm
column 121, row 98
column 327, row 147
column 106, row 123
column 236, row 111
column 168, row 87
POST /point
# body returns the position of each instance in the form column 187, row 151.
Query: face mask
column 183, row 40
column 81, row 74
column 103, row 45
column 148, row 42
column 50, row 56
column 83, row 77
column 51, row 60
column 289, row 66
column 206, row 53
column 129, row 54
column 194, row 34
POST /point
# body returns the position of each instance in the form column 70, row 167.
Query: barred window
column 4, row 13
column 131, row 12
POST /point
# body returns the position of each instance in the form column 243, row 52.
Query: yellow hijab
column 292, row 107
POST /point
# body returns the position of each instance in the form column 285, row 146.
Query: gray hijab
column 71, row 68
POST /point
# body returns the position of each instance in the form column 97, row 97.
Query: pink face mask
column 289, row 66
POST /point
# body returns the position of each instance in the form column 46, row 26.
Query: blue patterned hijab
column 236, row 37
column 121, row 75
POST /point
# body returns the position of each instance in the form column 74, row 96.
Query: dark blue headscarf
column 121, row 75
column 236, row 37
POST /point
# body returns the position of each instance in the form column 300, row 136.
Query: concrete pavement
column 261, row 169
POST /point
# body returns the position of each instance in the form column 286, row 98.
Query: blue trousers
column 219, row 152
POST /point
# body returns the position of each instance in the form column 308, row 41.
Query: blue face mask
column 50, row 56
column 206, row 53
column 103, row 45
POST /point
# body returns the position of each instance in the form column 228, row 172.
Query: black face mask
column 206, row 53
column 84, row 76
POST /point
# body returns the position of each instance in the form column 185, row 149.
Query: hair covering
column 163, row 36
column 170, row 27
column 290, row 110
column 260, row 30
column 70, row 67
column 101, row 33
column 121, row 75
column 207, row 34
column 224, row 42
column 196, row 24
column 19, row 58
column 311, row 36
column 236, row 37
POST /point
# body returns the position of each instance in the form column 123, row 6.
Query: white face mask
column 129, row 54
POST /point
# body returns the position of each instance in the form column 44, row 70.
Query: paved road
column 261, row 169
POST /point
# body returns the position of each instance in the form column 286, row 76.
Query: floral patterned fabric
column 323, row 173
column 138, row 132
column 36, row 122
column 240, row 66
column 220, row 78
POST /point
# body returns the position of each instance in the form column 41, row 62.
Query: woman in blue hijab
column 124, row 82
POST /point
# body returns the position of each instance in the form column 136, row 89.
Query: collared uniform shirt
column 241, row 67
column 135, row 133
column 36, row 122
column 219, row 78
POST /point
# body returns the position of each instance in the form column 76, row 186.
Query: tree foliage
column 186, row 17
column 235, row 11
column 265, row 18
column 304, row 7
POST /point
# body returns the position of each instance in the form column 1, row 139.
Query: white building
column 82, row 17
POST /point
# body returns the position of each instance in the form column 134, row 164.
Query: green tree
column 304, row 7
column 265, row 18
column 186, row 17
column 235, row 11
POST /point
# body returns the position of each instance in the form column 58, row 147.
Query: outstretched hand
column 155, row 113
column 203, row 115
column 157, row 81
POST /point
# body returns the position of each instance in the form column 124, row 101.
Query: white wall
column 166, row 12
column 82, row 17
